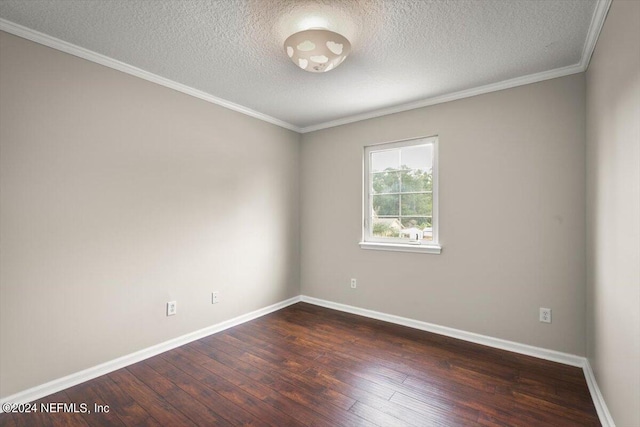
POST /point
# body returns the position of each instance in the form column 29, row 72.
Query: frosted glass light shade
column 317, row 50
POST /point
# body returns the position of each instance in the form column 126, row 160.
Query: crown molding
column 597, row 21
column 493, row 87
column 61, row 45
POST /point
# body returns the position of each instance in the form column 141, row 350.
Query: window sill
column 401, row 247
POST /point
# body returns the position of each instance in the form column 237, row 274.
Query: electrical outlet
column 215, row 297
column 354, row 283
column 545, row 315
column 172, row 308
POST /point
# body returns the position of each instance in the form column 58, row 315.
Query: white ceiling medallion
column 317, row 50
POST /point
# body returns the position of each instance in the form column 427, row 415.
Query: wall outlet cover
column 172, row 308
column 545, row 315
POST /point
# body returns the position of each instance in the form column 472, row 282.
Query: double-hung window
column 401, row 196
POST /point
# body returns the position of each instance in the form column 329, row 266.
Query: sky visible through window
column 419, row 157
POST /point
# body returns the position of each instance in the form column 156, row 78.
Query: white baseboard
column 598, row 400
column 529, row 350
column 121, row 362
column 542, row 353
column 59, row 384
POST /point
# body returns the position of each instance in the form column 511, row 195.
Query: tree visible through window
column 400, row 187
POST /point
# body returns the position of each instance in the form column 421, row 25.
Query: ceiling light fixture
column 317, row 50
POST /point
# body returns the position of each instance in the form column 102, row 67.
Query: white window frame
column 398, row 244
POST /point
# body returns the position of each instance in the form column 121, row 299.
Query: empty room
column 320, row 213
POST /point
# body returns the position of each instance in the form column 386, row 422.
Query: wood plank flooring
column 309, row 366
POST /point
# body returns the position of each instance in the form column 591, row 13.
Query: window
column 401, row 196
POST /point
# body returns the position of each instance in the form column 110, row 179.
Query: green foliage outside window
column 412, row 210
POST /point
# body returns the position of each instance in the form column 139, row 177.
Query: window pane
column 399, row 190
column 387, row 205
column 418, row 157
column 386, row 182
column 386, row 227
column 382, row 160
column 416, row 204
column 423, row 225
column 416, row 180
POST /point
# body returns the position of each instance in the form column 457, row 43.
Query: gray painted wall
column 119, row 195
column 613, row 212
column 512, row 217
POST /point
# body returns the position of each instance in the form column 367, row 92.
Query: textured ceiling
column 403, row 51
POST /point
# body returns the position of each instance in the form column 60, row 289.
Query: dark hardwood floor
column 306, row 365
